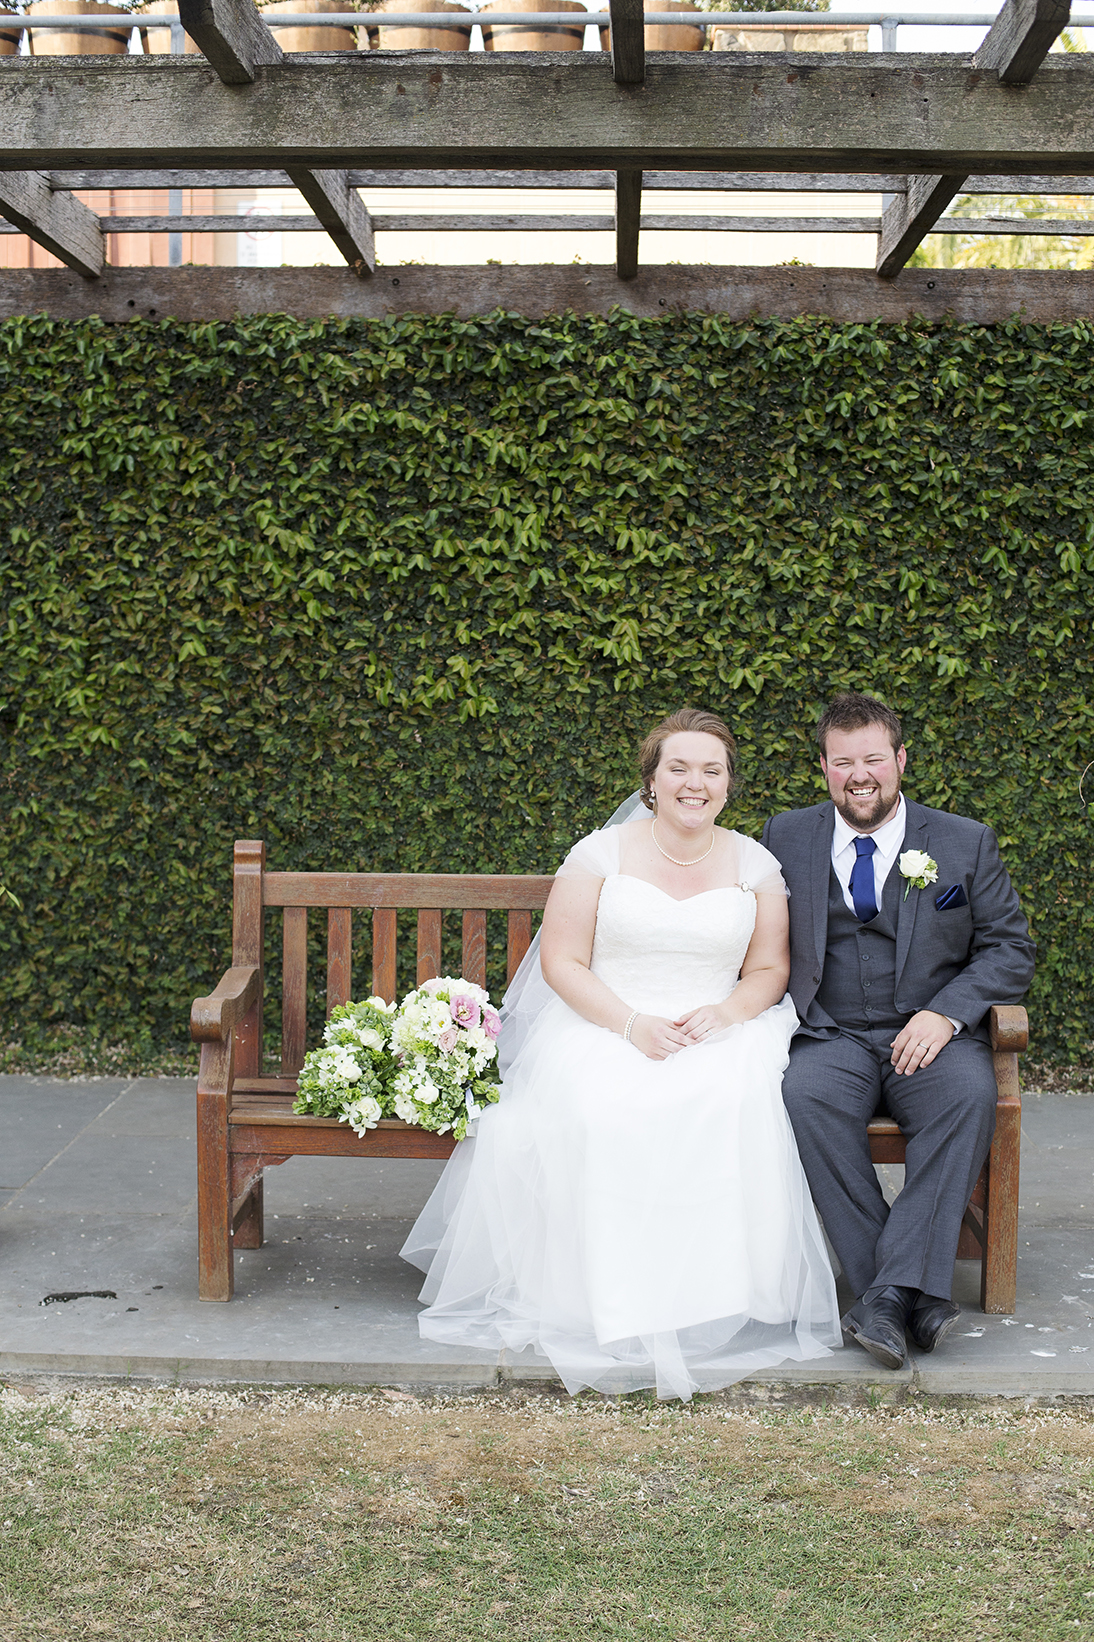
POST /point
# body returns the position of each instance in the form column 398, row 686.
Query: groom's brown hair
column 852, row 711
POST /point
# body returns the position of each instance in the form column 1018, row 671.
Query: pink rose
column 465, row 1010
column 491, row 1024
column 448, row 1040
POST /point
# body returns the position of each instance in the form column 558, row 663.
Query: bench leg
column 215, row 1275
column 246, row 1181
column 248, row 1232
column 970, row 1244
column 999, row 1274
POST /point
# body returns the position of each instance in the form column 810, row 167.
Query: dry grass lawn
column 315, row 1516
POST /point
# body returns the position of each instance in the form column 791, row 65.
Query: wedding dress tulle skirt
column 636, row 1223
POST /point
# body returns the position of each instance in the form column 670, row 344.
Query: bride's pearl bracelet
column 627, row 1028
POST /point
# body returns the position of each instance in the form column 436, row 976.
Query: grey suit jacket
column 957, row 961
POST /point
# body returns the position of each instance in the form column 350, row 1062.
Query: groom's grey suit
column 855, row 985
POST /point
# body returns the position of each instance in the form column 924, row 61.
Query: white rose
column 476, row 1038
column 369, row 1038
column 427, row 1092
column 363, row 1114
column 918, row 864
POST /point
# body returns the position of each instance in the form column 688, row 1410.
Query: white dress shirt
column 887, row 841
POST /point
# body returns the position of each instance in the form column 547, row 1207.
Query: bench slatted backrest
column 384, row 894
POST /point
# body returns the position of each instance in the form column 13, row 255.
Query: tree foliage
column 404, row 594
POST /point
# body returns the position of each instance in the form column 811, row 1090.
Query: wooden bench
column 245, row 1121
column 990, row 1230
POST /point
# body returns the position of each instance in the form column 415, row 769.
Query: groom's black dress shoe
column 930, row 1320
column 878, row 1324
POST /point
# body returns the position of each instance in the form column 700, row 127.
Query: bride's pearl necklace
column 672, row 858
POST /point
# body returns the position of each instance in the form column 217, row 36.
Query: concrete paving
column 98, row 1198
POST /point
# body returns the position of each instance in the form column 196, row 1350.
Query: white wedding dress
column 637, row 1223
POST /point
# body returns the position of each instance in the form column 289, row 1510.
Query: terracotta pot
column 798, row 37
column 308, row 39
column 158, row 41
column 54, row 43
column 530, row 36
column 423, row 39
column 665, row 36
column 9, row 43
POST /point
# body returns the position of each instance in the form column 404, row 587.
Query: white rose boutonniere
column 918, row 868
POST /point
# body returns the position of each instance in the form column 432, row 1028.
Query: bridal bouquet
column 348, row 1077
column 444, row 1039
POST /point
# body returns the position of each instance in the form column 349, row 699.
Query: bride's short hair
column 687, row 720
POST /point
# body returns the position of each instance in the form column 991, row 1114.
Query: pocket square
column 949, row 898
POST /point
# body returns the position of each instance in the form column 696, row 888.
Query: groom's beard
column 866, row 820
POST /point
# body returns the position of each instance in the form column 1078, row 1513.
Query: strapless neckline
column 679, row 900
column 664, row 956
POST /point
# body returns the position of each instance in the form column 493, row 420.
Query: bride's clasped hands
column 633, row 1210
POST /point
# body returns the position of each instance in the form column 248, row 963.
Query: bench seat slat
column 318, row 1137
column 269, row 1111
column 397, row 889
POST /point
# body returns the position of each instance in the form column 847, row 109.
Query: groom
column 904, row 930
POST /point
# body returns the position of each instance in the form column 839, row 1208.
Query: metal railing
column 887, row 16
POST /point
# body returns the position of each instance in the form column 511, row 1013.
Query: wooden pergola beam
column 1020, row 39
column 978, row 296
column 233, row 37
column 1014, row 48
column 628, row 221
column 628, row 37
column 773, row 182
column 705, row 111
column 236, row 40
column 342, row 212
column 909, row 217
column 690, row 181
column 59, row 222
column 497, row 223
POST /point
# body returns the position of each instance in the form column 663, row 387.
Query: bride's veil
column 528, row 993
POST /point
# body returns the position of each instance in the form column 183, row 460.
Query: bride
column 633, row 1210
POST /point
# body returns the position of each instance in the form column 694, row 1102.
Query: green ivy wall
column 405, row 594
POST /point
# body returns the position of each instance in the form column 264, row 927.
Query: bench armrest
column 1009, row 1027
column 213, row 1018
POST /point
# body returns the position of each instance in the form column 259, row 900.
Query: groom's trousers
column 832, row 1088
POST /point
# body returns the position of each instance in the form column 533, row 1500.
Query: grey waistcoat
column 859, row 979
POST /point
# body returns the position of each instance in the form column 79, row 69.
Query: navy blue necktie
column 862, row 880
